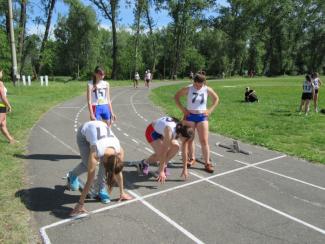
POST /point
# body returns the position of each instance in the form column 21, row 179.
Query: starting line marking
column 322, row 231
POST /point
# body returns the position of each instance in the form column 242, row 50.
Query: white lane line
column 135, row 141
column 149, row 150
column 285, row 176
column 42, row 230
column 125, row 134
column 68, row 107
column 119, row 129
column 59, row 140
column 168, row 219
column 322, row 231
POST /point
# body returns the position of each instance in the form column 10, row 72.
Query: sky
column 126, row 16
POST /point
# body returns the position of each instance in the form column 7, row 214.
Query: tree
column 109, row 10
column 48, row 10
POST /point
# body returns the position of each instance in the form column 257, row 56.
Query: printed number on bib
column 103, row 133
column 195, row 95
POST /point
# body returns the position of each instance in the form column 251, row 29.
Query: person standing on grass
column 4, row 108
column 317, row 83
column 162, row 134
column 196, row 115
column 98, row 98
column 307, row 94
column 97, row 143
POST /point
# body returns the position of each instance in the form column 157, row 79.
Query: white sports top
column 137, row 76
column 148, row 76
column 162, row 123
column 98, row 134
column 197, row 99
column 316, row 83
column 5, row 92
column 99, row 96
column 307, row 87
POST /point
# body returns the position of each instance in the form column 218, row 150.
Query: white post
column 46, row 80
column 29, row 80
column 42, row 80
column 24, row 80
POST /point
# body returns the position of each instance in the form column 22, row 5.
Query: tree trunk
column 22, row 31
column 138, row 12
column 46, row 34
column 154, row 51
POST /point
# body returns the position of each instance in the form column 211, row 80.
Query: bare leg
column 307, row 106
column 190, row 145
column 315, row 102
column 203, row 132
column 4, row 130
column 301, row 105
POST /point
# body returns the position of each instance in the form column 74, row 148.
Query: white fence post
column 46, row 80
column 29, row 80
column 24, row 80
column 42, row 80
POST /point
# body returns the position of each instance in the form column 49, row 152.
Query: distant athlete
column 307, row 94
column 196, row 116
column 162, row 134
column 99, row 102
column 317, row 83
column 136, row 80
column 97, row 143
column 148, row 78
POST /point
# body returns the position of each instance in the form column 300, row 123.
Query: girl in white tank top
column 162, row 134
column 196, row 115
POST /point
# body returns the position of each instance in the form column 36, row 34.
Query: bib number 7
column 196, row 95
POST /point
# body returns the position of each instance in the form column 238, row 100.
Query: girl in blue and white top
column 99, row 102
column 4, row 108
column 317, row 83
column 163, row 135
column 196, row 115
column 307, row 94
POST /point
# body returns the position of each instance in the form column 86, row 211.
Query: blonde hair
column 113, row 165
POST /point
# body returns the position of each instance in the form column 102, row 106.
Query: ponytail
column 184, row 131
column 113, row 165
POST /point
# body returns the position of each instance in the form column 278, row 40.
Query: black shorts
column 306, row 96
column 316, row 91
column 3, row 109
column 147, row 80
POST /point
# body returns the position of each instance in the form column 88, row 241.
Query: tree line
column 256, row 36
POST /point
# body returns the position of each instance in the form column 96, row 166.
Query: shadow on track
column 49, row 157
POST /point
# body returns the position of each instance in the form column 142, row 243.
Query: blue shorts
column 102, row 112
column 196, row 117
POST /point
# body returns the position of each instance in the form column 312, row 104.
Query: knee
column 204, row 142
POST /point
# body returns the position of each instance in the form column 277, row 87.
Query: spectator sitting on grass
column 250, row 95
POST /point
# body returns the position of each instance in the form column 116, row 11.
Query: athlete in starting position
column 162, row 134
column 97, row 143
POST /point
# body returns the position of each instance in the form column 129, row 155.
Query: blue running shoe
column 73, row 182
column 103, row 196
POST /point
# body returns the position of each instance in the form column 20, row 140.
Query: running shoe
column 144, row 167
column 104, row 196
column 73, row 182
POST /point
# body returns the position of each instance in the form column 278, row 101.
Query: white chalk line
column 284, row 176
column 322, row 231
column 168, row 219
column 43, row 229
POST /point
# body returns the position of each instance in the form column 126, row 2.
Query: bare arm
column 90, row 109
column 92, row 161
column 163, row 155
column 215, row 100
column 110, row 103
column 178, row 95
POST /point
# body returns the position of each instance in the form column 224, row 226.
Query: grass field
column 273, row 122
column 28, row 103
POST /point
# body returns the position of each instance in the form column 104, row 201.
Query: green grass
column 28, row 103
column 272, row 123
